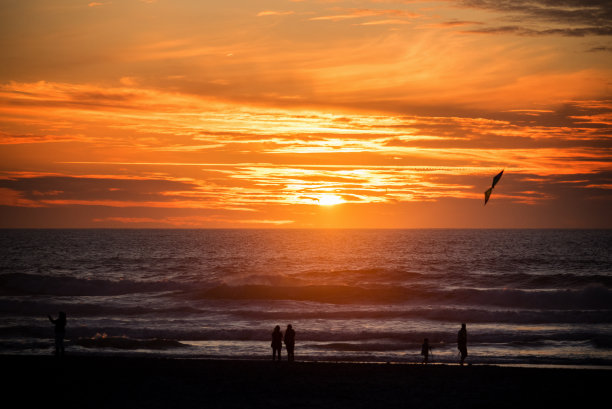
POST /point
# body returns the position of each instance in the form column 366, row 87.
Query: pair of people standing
column 277, row 342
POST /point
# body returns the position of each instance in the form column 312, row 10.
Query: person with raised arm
column 60, row 332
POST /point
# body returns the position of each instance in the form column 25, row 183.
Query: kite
column 490, row 190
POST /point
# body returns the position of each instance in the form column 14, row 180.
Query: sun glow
column 329, row 200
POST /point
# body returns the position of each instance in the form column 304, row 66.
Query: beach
column 150, row 382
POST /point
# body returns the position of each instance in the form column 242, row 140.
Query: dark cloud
column 582, row 17
column 456, row 23
column 494, row 141
column 93, row 189
column 589, row 12
column 565, row 32
column 571, row 125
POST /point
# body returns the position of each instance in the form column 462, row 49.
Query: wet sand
column 118, row 382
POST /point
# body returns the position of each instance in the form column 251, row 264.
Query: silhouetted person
column 425, row 350
column 277, row 342
column 462, row 343
column 290, row 342
column 60, row 332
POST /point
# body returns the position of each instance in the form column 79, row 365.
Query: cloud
column 274, row 13
column 182, row 151
column 14, row 198
column 190, row 221
column 167, row 126
column 15, row 139
column 347, row 14
column 579, row 18
column 566, row 32
column 600, row 48
column 281, row 190
column 384, row 22
column 454, row 23
column 591, row 12
column 49, row 189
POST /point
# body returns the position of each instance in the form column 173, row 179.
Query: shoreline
column 161, row 382
column 478, row 361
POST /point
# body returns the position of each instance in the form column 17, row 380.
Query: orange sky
column 312, row 113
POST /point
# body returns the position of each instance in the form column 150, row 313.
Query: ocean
column 528, row 297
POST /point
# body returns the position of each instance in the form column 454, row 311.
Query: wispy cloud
column 567, row 32
column 347, row 14
column 595, row 12
column 385, row 22
column 600, row 48
column 570, row 18
column 191, row 221
column 274, row 13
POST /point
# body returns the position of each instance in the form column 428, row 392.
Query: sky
column 305, row 114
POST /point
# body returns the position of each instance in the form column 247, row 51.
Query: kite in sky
column 489, row 190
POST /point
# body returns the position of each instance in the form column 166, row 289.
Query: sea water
column 527, row 296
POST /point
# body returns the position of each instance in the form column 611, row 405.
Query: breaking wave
column 592, row 297
column 123, row 342
column 356, row 340
column 32, row 284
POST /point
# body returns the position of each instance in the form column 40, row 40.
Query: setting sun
column 329, row 200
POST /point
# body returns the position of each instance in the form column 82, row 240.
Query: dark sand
column 114, row 382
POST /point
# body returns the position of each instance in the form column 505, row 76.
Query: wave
column 336, row 286
column 534, row 280
column 592, row 297
column 388, row 277
column 442, row 314
column 385, row 276
column 35, row 284
column 362, row 347
column 29, row 308
column 123, row 342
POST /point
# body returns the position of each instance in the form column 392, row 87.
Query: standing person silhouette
column 60, row 332
column 277, row 342
column 462, row 343
column 425, row 350
column 290, row 342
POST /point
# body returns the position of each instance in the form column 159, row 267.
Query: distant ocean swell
column 63, row 285
column 592, row 295
column 443, row 314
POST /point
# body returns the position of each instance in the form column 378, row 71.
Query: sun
column 329, row 200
